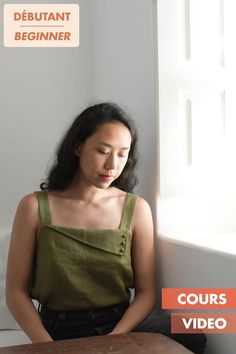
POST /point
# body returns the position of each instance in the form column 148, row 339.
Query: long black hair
column 66, row 162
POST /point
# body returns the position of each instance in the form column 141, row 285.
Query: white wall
column 185, row 265
column 123, row 35
column 42, row 89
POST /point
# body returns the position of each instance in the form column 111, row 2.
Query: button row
column 123, row 242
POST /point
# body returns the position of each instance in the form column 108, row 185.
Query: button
column 122, row 249
column 124, row 235
column 123, row 243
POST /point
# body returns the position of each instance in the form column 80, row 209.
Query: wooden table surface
column 130, row 343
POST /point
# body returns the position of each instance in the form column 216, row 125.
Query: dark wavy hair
column 66, row 162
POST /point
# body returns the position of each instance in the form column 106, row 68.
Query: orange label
column 41, row 25
column 203, row 322
column 197, row 298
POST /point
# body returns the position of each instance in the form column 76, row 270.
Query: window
column 197, row 112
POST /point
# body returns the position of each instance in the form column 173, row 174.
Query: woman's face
column 104, row 154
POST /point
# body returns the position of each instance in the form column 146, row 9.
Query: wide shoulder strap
column 128, row 211
column 44, row 210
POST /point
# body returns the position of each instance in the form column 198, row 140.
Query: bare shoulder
column 142, row 215
column 141, row 207
column 29, row 203
column 28, row 211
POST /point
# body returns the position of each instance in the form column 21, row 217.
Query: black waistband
column 45, row 310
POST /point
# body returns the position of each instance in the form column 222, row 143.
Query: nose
column 111, row 162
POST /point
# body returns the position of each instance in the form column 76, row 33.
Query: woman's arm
column 143, row 263
column 19, row 269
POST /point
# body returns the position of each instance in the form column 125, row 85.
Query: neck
column 80, row 189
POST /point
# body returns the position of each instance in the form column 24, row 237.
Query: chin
column 102, row 185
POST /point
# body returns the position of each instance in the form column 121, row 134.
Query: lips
column 107, row 178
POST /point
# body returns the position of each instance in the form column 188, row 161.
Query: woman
column 71, row 243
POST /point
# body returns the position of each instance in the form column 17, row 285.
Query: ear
column 77, row 150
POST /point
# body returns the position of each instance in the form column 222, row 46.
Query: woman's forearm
column 141, row 307
column 26, row 315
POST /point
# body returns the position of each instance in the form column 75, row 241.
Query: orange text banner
column 199, row 298
column 203, row 322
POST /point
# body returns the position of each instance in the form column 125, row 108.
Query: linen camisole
column 77, row 269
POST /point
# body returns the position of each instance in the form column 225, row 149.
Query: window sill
column 207, row 223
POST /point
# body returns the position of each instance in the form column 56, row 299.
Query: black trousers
column 101, row 321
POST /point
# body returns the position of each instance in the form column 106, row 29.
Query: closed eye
column 123, row 155
column 103, row 152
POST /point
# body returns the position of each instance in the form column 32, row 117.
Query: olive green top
column 77, row 269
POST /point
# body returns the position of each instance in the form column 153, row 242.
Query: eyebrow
column 110, row 146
